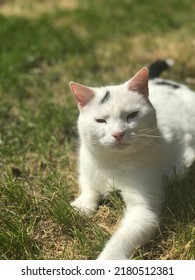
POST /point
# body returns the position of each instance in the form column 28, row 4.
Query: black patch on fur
column 165, row 83
column 105, row 98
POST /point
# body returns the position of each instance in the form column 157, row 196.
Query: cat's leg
column 88, row 199
column 136, row 228
column 86, row 202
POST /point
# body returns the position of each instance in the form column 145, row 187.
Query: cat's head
column 115, row 116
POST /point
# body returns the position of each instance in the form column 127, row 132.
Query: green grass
column 95, row 43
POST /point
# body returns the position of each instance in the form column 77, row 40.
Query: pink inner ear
column 82, row 93
column 139, row 82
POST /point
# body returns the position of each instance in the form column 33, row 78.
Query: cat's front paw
column 83, row 205
column 111, row 255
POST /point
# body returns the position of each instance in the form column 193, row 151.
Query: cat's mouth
column 116, row 144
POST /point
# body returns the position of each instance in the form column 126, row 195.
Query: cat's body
column 128, row 145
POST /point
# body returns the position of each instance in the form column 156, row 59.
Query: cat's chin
column 121, row 145
column 117, row 146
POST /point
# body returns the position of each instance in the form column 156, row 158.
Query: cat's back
column 170, row 93
column 175, row 109
column 174, row 104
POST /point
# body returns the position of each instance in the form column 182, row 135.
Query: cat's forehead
column 118, row 97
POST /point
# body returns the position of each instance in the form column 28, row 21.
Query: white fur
column 154, row 143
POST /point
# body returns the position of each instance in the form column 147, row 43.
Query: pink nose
column 118, row 135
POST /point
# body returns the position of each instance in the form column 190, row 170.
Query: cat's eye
column 132, row 115
column 100, row 120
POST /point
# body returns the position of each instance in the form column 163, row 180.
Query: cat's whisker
column 150, row 144
column 147, row 129
column 96, row 145
column 149, row 136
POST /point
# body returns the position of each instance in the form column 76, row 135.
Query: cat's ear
column 81, row 93
column 139, row 82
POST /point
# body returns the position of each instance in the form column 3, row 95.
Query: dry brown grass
column 34, row 8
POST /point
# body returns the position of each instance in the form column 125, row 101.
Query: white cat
column 130, row 137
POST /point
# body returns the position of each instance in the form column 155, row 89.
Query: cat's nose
column 118, row 135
